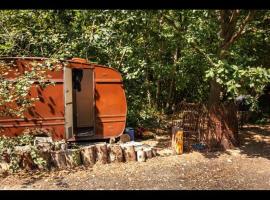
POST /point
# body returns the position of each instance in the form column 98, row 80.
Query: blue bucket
column 130, row 131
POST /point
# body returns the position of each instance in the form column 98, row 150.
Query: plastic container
column 130, row 131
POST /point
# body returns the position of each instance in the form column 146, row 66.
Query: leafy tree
column 165, row 56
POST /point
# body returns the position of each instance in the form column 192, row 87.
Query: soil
column 247, row 167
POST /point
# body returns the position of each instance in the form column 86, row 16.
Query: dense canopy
column 165, row 56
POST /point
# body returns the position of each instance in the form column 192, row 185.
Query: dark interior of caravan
column 83, row 102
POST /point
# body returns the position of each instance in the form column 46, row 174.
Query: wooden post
column 177, row 143
column 73, row 157
column 129, row 153
column 115, row 153
column 59, row 159
column 102, row 153
column 88, row 155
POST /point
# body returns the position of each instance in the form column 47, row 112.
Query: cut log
column 124, row 138
column 88, row 155
column 129, row 153
column 148, row 153
column 25, row 158
column 59, row 159
column 102, row 153
column 73, row 157
column 115, row 153
column 112, row 140
column 154, row 152
column 46, row 156
column 4, row 167
column 141, row 156
column 60, row 145
column 44, row 146
column 177, row 142
column 39, row 140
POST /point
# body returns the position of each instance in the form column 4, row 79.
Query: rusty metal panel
column 111, row 106
column 46, row 113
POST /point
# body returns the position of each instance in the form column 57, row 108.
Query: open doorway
column 79, row 102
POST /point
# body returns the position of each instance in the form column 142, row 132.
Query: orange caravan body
column 87, row 101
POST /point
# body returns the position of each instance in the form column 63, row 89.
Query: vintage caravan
column 87, row 101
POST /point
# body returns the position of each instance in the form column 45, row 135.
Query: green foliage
column 14, row 95
column 8, row 152
column 165, row 56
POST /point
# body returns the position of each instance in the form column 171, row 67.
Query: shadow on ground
column 254, row 142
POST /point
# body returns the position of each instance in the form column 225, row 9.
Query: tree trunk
column 223, row 120
column 88, row 155
column 223, row 117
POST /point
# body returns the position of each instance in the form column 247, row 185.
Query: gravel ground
column 245, row 168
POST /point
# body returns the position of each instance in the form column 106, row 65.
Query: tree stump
column 59, row 159
column 129, row 153
column 177, row 142
column 102, row 153
column 25, row 158
column 88, row 155
column 148, row 153
column 73, row 158
column 124, row 138
column 4, row 167
column 154, row 152
column 40, row 140
column 46, row 156
column 141, row 156
column 115, row 153
column 60, row 145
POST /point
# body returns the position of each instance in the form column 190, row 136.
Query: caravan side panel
column 46, row 113
column 110, row 102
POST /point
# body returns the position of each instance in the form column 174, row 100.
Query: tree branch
column 240, row 31
column 171, row 22
column 195, row 46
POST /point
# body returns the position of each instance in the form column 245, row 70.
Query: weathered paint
column 48, row 112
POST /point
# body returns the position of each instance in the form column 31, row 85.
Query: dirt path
column 245, row 168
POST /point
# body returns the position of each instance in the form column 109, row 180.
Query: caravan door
column 68, row 92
